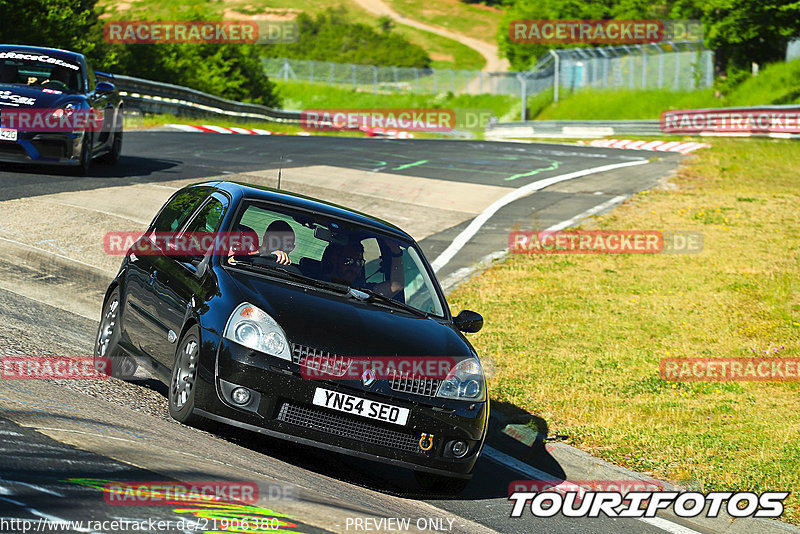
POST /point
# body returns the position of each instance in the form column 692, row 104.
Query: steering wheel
column 271, row 260
column 55, row 84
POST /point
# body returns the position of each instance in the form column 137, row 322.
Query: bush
column 228, row 71
column 332, row 37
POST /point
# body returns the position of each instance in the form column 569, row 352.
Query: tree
column 229, row 71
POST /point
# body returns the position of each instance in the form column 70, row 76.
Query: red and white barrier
column 656, row 146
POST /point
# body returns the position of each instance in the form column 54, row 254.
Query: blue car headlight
column 255, row 329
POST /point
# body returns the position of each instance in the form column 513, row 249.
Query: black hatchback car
column 270, row 338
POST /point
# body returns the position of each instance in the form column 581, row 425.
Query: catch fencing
column 679, row 66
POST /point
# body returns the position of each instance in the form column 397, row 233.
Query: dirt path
column 489, row 51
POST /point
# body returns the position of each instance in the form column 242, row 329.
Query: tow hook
column 426, row 442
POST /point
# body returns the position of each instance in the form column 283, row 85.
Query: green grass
column 776, row 84
column 473, row 20
column 299, row 95
column 620, row 104
column 577, row 340
column 445, row 53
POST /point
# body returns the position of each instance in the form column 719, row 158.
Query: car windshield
column 39, row 70
column 330, row 250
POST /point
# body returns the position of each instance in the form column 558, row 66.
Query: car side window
column 208, row 218
column 178, row 210
column 90, row 77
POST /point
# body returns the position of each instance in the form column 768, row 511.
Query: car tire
column 86, row 156
column 107, row 341
column 439, row 483
column 112, row 156
column 184, row 375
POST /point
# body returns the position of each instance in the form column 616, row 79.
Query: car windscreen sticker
column 10, row 99
column 40, row 58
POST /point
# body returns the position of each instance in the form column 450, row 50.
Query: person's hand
column 282, row 257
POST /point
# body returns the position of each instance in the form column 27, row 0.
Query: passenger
column 344, row 264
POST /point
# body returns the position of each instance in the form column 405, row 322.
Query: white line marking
column 534, row 473
column 456, row 277
column 184, row 127
column 476, row 224
column 33, row 486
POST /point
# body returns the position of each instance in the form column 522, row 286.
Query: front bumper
column 282, row 407
column 43, row 148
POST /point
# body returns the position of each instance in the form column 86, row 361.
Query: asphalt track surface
column 59, row 440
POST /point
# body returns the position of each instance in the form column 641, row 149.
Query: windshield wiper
column 383, row 299
column 272, row 269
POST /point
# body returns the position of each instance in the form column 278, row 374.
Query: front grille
column 346, row 427
column 320, row 361
column 51, row 149
column 417, row 386
column 12, row 149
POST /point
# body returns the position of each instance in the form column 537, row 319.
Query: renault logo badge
column 368, row 377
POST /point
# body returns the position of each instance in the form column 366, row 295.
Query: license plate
column 7, row 134
column 358, row 406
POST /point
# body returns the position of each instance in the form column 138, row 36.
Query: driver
column 279, row 240
column 59, row 75
column 346, row 265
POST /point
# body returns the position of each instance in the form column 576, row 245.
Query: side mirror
column 105, row 88
column 468, row 321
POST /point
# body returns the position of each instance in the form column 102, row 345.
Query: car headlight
column 465, row 381
column 255, row 329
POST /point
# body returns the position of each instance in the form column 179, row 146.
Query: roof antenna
column 280, row 168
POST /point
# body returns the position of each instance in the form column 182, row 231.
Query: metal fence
column 374, row 79
column 673, row 65
column 679, row 66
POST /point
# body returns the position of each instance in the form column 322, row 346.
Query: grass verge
column 578, row 339
column 301, row 95
column 473, row 20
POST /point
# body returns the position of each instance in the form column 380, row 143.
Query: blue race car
column 43, row 93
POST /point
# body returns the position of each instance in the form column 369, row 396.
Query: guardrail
column 644, row 128
column 574, row 129
column 158, row 97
